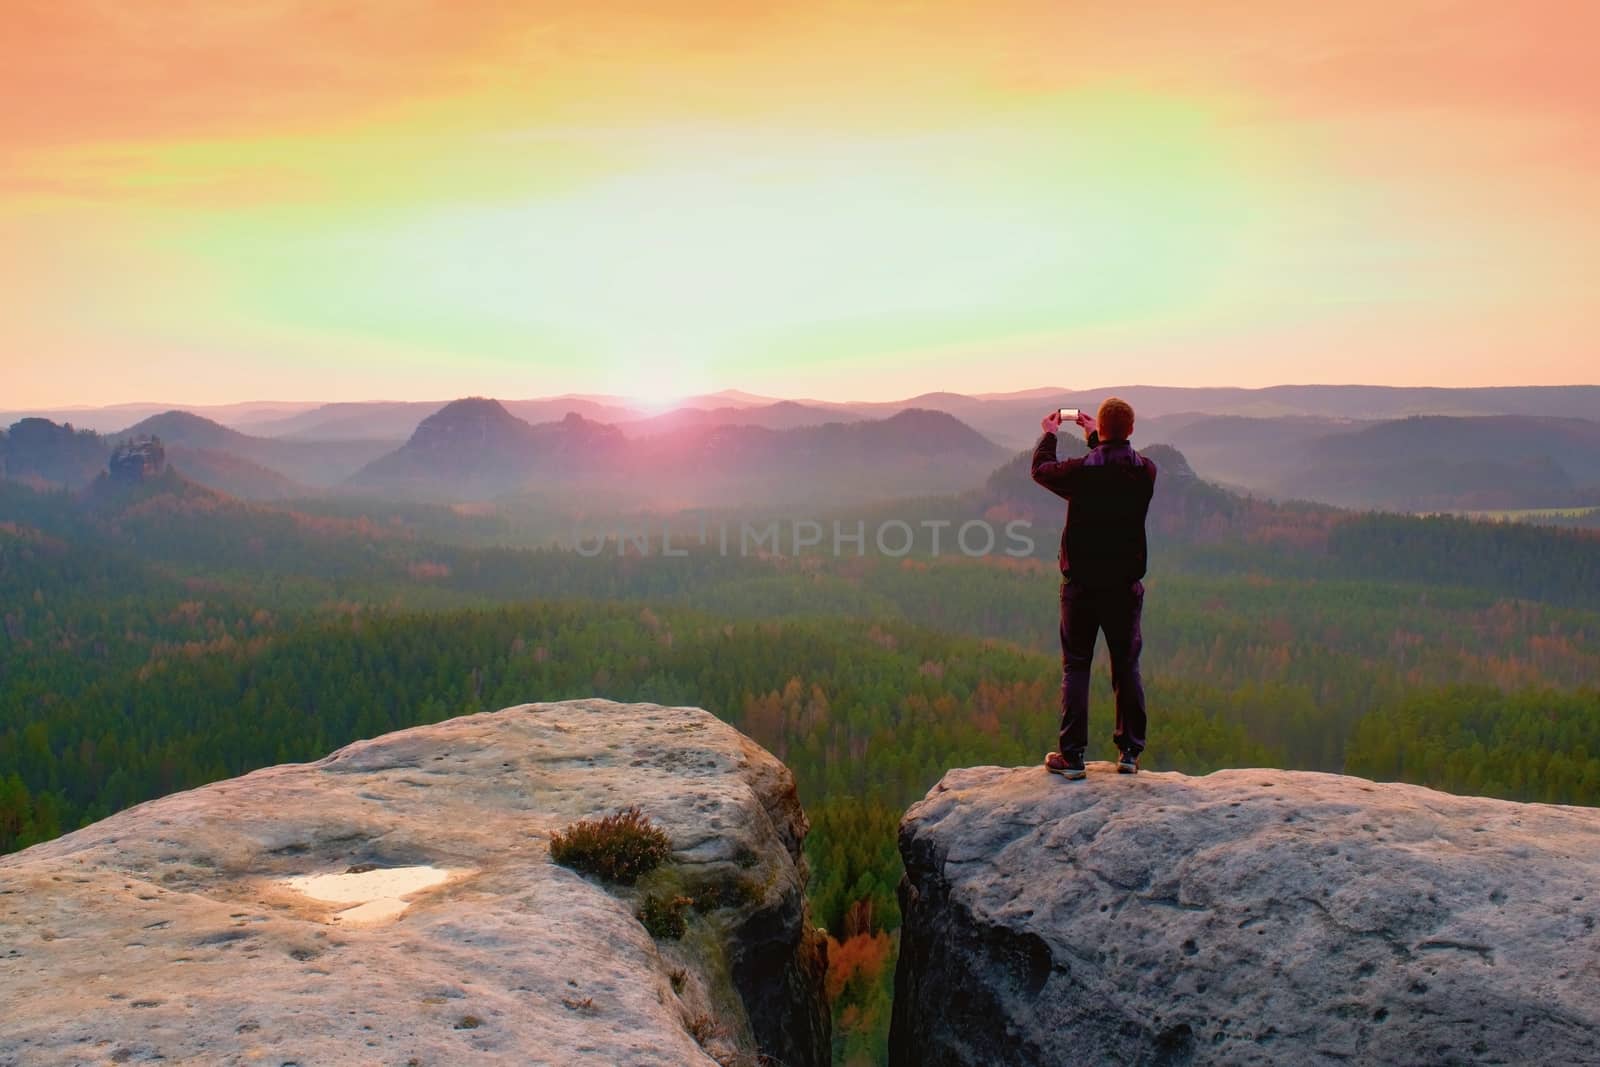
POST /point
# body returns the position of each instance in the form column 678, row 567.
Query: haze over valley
column 1407, row 450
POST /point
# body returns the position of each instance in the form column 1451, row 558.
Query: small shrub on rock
column 664, row 916
column 735, row 893
column 702, row 1028
column 621, row 847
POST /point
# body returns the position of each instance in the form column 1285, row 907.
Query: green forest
column 155, row 641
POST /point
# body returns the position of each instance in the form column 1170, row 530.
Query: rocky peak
column 1247, row 916
column 396, row 902
column 579, row 438
column 1169, row 462
column 474, row 421
column 138, row 460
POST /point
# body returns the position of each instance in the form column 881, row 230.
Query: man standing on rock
column 1103, row 557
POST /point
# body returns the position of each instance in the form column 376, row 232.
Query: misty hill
column 39, row 452
column 474, row 448
column 1252, row 453
column 183, row 428
column 734, row 398
column 177, row 523
column 1013, row 418
column 911, row 453
column 1010, row 418
column 554, row 409
column 782, row 415
column 912, row 431
column 1355, row 401
column 1438, row 463
column 394, row 421
column 375, row 420
column 245, row 465
column 1391, row 402
column 1417, row 463
column 238, row 477
column 113, row 417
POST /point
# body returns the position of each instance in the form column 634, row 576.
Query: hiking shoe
column 1128, row 763
column 1066, row 766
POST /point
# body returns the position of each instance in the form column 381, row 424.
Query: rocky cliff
column 395, row 903
column 1246, row 917
column 137, row 460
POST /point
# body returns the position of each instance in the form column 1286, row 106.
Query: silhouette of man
column 1103, row 558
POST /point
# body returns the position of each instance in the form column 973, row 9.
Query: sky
column 420, row 199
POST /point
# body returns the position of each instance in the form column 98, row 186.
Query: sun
column 658, row 380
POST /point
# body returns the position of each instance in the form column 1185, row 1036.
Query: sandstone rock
column 172, row 932
column 138, row 460
column 1246, row 917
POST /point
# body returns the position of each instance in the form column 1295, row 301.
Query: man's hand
column 1052, row 422
column 1086, row 421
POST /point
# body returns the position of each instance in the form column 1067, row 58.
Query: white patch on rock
column 377, row 895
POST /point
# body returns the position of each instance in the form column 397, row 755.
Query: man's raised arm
column 1056, row 475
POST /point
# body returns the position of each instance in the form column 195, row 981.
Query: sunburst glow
column 420, row 199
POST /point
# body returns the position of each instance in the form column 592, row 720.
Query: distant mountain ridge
column 43, row 453
column 1013, row 418
column 475, row 448
column 1435, row 462
column 909, row 453
column 1007, row 417
column 246, row 465
column 778, row 415
column 39, row 452
column 109, row 418
column 722, row 448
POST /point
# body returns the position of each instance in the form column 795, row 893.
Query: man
column 1103, row 556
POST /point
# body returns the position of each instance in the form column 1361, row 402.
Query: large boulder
column 395, row 903
column 1246, row 917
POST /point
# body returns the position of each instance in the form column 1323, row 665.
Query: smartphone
column 1068, row 414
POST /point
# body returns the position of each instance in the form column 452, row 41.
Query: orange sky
column 206, row 202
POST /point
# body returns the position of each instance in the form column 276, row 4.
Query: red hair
column 1115, row 421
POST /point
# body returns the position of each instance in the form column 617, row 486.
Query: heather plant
column 621, row 847
column 703, row 1028
column 664, row 916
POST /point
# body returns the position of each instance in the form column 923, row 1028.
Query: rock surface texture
column 1246, row 917
column 170, row 932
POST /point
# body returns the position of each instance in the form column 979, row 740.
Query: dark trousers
column 1086, row 610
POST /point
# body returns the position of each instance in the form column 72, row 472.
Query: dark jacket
column 1108, row 494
